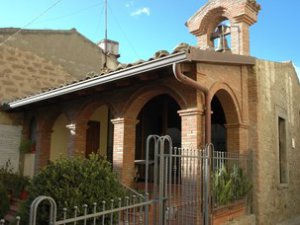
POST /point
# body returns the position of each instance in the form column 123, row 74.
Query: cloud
column 128, row 4
column 141, row 11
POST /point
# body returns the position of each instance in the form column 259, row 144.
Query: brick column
column 240, row 39
column 191, row 138
column 204, row 42
column 80, row 138
column 192, row 135
column 124, row 149
column 43, row 145
column 237, row 138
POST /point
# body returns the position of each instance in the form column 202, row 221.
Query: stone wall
column 277, row 95
column 23, row 73
column 68, row 48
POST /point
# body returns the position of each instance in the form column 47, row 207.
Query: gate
column 181, row 183
column 192, row 186
column 189, row 188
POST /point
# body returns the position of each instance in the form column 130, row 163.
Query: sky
column 143, row 27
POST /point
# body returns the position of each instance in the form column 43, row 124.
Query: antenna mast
column 105, row 38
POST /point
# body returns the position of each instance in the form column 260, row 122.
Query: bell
column 222, row 44
column 220, row 33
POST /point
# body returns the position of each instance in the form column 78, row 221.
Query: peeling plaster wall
column 278, row 95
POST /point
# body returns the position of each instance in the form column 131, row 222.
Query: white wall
column 10, row 138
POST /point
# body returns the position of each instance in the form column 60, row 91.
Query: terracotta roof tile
column 105, row 71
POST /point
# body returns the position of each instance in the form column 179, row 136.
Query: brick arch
column 89, row 108
column 81, row 120
column 212, row 18
column 143, row 95
column 45, row 121
column 229, row 102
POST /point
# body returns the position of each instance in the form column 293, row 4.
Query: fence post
column 207, row 186
column 34, row 206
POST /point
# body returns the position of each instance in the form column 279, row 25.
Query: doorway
column 158, row 116
column 218, row 129
column 92, row 137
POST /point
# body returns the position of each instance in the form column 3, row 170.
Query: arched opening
column 218, row 129
column 59, row 138
column 225, row 120
column 221, row 36
column 99, row 133
column 158, row 116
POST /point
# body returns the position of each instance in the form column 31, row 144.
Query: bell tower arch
column 223, row 25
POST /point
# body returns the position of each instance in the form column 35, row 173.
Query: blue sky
column 144, row 26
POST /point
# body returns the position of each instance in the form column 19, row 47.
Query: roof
column 13, row 30
column 183, row 53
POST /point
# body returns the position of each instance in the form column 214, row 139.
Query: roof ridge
column 14, row 29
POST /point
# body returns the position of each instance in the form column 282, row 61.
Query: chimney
column 112, row 47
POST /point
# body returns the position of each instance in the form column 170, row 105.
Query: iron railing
column 127, row 211
column 184, row 183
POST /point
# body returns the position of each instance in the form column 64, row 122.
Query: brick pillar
column 124, row 149
column 204, row 42
column 191, row 138
column 240, row 39
column 43, row 145
column 192, row 135
column 80, row 138
column 237, row 138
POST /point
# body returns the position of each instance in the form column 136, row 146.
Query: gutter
column 192, row 54
column 110, row 77
column 190, row 82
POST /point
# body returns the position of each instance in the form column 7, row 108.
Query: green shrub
column 229, row 186
column 74, row 182
column 13, row 182
column 4, row 201
column 26, row 146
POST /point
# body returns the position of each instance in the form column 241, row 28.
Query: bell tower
column 223, row 25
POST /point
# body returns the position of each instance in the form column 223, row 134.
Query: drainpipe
column 207, row 172
column 190, row 82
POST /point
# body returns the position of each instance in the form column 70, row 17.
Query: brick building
column 213, row 92
column 36, row 60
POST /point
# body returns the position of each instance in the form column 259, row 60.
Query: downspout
column 190, row 82
column 207, row 172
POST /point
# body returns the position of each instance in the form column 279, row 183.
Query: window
column 283, row 172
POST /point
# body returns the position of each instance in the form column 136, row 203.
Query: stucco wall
column 278, row 94
column 101, row 115
column 59, row 138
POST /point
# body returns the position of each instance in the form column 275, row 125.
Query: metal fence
column 231, row 173
column 188, row 187
column 129, row 211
